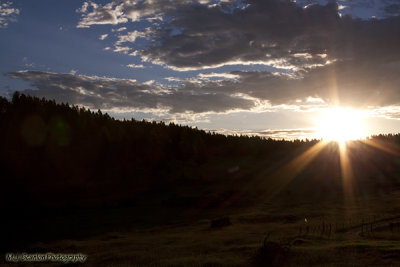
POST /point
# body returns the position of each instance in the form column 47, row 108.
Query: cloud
column 130, row 37
column 322, row 58
column 28, row 63
column 279, row 33
column 257, row 91
column 103, row 36
column 123, row 49
column 360, row 8
column 388, row 112
column 127, row 95
column 334, row 58
column 7, row 14
column 134, row 66
column 122, row 11
column 93, row 14
column 343, row 82
column 119, row 29
column 217, row 76
column 274, row 33
column 287, row 134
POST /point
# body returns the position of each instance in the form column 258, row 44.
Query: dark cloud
column 344, row 82
column 273, row 32
column 360, row 85
column 111, row 93
column 122, row 11
column 363, row 55
column 264, row 31
column 199, row 34
column 331, row 57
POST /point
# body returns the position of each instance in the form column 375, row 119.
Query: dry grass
column 195, row 243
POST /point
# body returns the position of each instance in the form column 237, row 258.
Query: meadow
column 270, row 235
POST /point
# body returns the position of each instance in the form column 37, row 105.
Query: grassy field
column 129, row 193
column 302, row 234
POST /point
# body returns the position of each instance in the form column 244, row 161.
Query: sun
column 341, row 124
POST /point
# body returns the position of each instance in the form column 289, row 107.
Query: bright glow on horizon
column 341, row 124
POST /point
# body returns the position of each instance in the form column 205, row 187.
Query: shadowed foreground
column 129, row 193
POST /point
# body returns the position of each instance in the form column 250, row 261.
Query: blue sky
column 252, row 67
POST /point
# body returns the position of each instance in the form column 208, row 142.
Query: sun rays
column 337, row 127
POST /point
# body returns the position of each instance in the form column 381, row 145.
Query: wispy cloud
column 7, row 13
column 73, row 72
column 103, row 36
column 119, row 29
column 94, row 14
column 135, row 66
column 388, row 112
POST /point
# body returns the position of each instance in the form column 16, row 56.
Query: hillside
column 78, row 174
column 64, row 155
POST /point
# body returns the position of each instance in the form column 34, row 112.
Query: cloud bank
column 327, row 55
column 127, row 95
column 318, row 53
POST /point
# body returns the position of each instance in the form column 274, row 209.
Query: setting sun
column 341, row 124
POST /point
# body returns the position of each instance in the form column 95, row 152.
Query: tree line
column 60, row 154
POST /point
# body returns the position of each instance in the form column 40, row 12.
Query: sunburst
column 341, row 124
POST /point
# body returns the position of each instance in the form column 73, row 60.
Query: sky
column 256, row 67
